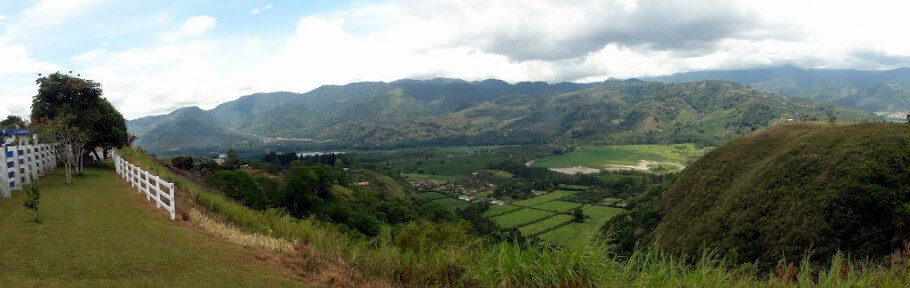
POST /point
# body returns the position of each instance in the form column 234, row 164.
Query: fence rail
column 144, row 181
column 22, row 164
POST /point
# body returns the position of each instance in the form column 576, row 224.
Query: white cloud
column 257, row 10
column 252, row 43
column 48, row 13
column 88, row 55
column 3, row 17
column 512, row 40
column 192, row 27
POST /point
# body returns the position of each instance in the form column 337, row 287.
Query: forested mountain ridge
column 870, row 90
column 370, row 115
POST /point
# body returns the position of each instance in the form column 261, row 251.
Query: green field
column 432, row 195
column 557, row 206
column 545, row 198
column 568, row 234
column 446, row 202
column 496, row 210
column 545, row 224
column 598, row 156
column 520, row 217
column 100, row 233
column 610, row 201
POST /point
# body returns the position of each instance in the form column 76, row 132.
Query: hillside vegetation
column 439, row 112
column 101, row 233
column 794, row 190
column 871, row 90
column 425, row 254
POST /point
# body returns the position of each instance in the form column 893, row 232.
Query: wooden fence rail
column 144, row 181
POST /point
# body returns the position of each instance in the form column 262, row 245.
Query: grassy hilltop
column 795, row 189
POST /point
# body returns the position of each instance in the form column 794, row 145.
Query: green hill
column 454, row 112
column 794, row 189
column 869, row 90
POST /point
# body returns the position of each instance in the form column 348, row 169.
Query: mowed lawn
column 598, row 156
column 99, row 233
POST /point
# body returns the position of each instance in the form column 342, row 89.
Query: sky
column 152, row 57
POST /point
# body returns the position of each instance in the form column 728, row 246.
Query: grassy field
column 598, row 156
column 520, row 217
column 569, row 234
column 432, row 195
column 545, row 224
column 545, row 198
column 446, row 202
column 496, row 210
column 557, row 206
column 99, row 233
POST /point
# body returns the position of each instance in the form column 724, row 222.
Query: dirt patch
column 575, row 170
column 643, row 165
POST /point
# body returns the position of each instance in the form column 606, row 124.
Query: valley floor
column 100, row 232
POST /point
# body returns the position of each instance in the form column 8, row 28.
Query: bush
column 182, row 162
column 241, row 187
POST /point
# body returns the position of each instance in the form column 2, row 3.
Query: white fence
column 22, row 164
column 146, row 182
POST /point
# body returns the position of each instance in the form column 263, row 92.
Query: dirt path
column 643, row 165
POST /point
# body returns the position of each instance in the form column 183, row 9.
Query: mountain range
column 870, row 90
column 372, row 115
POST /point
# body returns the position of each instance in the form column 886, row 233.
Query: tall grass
column 475, row 263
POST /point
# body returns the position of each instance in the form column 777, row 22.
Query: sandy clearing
column 643, row 166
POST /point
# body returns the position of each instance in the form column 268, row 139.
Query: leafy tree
column 239, row 186
column 182, row 162
column 271, row 189
column 32, row 200
column 71, row 138
column 233, row 160
column 12, row 122
column 100, row 123
column 578, row 215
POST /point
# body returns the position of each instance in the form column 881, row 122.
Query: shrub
column 182, row 162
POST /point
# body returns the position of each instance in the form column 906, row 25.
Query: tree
column 70, row 140
column 99, row 122
column 233, row 160
column 578, row 215
column 32, row 200
column 12, row 122
column 182, row 162
column 241, row 187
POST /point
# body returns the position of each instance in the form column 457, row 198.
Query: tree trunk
column 98, row 157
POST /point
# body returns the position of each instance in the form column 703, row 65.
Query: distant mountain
column 885, row 91
column 403, row 113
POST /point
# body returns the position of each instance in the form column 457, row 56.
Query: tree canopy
column 62, row 94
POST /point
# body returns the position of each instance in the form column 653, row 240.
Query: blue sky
column 156, row 56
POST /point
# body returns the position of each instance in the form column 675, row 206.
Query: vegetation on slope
column 426, row 254
column 869, row 90
column 447, row 113
column 794, row 190
column 100, row 232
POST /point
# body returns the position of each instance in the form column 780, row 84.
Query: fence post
column 173, row 200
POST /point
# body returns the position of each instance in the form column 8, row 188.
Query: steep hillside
column 863, row 89
column 456, row 112
column 185, row 128
column 793, row 189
